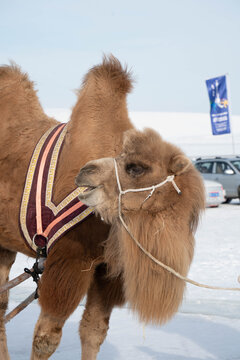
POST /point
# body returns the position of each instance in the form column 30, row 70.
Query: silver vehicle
column 224, row 170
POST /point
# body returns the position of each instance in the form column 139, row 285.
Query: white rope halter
column 169, row 178
column 166, row 267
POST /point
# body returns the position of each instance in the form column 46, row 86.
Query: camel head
column 145, row 160
column 162, row 218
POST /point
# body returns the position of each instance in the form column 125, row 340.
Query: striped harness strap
column 42, row 222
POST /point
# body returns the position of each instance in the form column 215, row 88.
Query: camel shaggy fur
column 83, row 261
column 164, row 223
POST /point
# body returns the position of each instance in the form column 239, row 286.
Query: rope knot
column 170, row 178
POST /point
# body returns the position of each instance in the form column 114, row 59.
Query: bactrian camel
column 97, row 258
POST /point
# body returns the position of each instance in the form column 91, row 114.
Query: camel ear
column 179, row 164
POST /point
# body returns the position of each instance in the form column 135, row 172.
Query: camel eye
column 135, row 169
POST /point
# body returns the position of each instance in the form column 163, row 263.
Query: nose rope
column 158, row 262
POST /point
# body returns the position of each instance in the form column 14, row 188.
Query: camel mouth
column 89, row 189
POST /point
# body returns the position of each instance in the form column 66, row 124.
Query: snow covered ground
column 208, row 323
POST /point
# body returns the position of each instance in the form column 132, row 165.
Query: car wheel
column 227, row 201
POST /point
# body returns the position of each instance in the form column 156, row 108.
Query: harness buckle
column 40, row 241
column 36, row 270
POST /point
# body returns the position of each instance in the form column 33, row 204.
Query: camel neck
column 82, row 144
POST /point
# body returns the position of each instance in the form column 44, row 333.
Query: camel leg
column 6, row 260
column 102, row 296
column 59, row 294
column 47, row 336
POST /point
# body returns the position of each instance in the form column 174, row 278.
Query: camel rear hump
column 20, row 110
column 19, row 103
column 11, row 78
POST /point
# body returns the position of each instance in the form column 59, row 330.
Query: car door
column 225, row 174
column 206, row 169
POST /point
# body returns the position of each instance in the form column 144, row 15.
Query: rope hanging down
column 158, row 262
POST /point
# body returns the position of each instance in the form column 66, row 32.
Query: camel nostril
column 85, row 171
column 88, row 169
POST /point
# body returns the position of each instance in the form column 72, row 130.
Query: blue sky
column 172, row 46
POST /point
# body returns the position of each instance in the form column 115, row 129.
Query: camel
column 88, row 260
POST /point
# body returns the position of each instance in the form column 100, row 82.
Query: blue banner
column 219, row 111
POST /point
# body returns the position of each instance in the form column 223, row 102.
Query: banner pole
column 230, row 112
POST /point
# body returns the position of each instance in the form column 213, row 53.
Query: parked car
column 215, row 194
column 224, row 170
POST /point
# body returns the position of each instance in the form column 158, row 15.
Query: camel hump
column 11, row 76
column 111, row 71
column 19, row 104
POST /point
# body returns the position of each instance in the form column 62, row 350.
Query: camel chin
column 96, row 199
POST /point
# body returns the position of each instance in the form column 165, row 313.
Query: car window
column 222, row 166
column 205, row 167
column 236, row 163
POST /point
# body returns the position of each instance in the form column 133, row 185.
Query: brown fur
column 164, row 224
column 96, row 128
